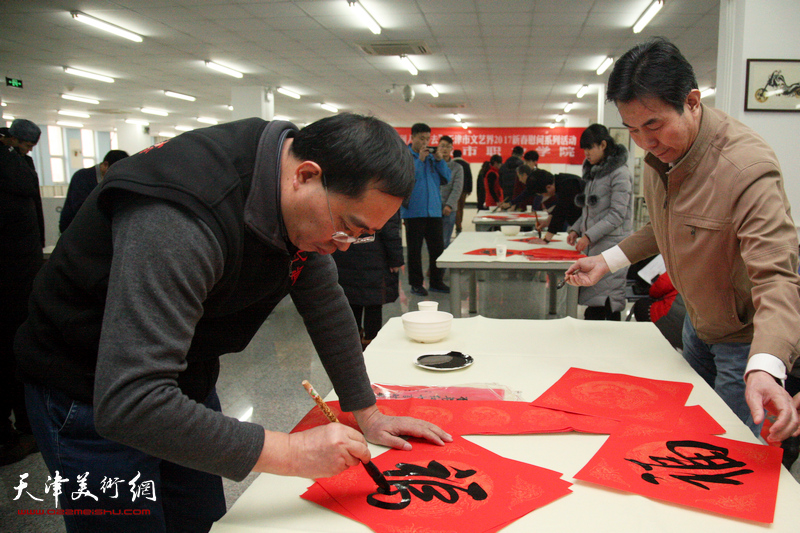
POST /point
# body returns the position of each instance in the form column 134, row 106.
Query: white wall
column 754, row 29
column 132, row 137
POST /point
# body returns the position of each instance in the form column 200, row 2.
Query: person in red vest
column 491, row 182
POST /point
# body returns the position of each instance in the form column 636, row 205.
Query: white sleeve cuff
column 768, row 363
column 615, row 258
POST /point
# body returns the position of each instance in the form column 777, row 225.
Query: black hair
column 531, row 155
column 446, row 138
column 525, row 169
column 655, row 68
column 496, row 158
column 456, row 153
column 538, row 181
column 114, row 155
column 419, row 127
column 517, row 150
column 595, row 134
column 355, row 151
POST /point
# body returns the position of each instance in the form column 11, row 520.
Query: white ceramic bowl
column 510, row 230
column 427, row 326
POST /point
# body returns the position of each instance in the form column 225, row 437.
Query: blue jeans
column 186, row 500
column 448, row 224
column 722, row 366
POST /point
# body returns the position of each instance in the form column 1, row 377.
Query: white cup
column 501, row 250
column 428, row 306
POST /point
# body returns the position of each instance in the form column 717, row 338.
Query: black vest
column 207, row 172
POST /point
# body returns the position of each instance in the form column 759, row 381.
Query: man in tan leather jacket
column 720, row 217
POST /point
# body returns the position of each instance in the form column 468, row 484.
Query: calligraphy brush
column 373, row 471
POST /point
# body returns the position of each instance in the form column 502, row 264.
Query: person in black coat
column 83, row 183
column 21, row 243
column 369, row 275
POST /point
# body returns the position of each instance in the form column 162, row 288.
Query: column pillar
column 255, row 101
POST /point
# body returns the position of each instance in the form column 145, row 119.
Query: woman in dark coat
column 369, row 275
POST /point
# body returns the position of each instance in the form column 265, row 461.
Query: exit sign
column 14, row 82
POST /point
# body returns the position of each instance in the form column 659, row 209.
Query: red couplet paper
column 457, row 487
column 492, row 251
column 698, row 470
column 475, row 417
column 616, row 396
column 535, row 240
column 552, row 254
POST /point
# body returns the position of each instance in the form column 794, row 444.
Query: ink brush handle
column 373, row 471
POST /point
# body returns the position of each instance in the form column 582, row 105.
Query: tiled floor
column 264, row 380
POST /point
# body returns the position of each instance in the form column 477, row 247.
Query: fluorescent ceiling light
column 365, row 17
column 68, row 124
column 281, row 117
column 552, row 125
column 604, row 65
column 583, row 90
column 208, row 120
column 409, row 65
column 76, row 98
column 230, row 108
column 464, row 125
column 85, row 74
column 169, row 134
column 329, row 107
column 184, row 128
column 223, row 69
column 110, row 28
column 568, row 107
column 457, row 117
column 9, row 117
column 173, row 94
column 707, row 92
column 69, row 113
column 287, row 92
column 648, row 15
column 3, row 104
column 154, row 111
column 559, row 117
column 433, row 91
column 137, row 121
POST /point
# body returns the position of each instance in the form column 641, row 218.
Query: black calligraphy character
column 709, row 458
column 428, row 489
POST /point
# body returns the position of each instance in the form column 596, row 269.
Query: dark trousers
column 147, row 493
column 369, row 319
column 602, row 313
column 429, row 229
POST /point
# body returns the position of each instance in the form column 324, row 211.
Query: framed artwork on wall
column 772, row 85
column 621, row 136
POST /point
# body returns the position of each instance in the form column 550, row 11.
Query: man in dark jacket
column 508, row 172
column 83, row 183
column 21, row 243
column 466, row 191
column 177, row 258
column 564, row 188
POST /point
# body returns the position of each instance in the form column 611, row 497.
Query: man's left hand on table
column 379, row 428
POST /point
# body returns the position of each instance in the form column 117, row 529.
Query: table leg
column 455, row 292
column 552, row 281
column 572, row 301
column 473, row 292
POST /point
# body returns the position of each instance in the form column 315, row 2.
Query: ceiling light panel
column 106, row 26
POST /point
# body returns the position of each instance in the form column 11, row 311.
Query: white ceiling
column 509, row 63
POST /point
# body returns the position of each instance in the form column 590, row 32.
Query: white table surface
column 529, row 356
column 460, row 263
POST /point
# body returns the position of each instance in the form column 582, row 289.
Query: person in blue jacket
column 422, row 214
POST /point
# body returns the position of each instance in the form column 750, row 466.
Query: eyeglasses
column 340, row 236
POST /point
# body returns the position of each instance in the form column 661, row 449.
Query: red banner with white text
column 556, row 145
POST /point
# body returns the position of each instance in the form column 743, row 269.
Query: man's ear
column 306, row 172
column 693, row 100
